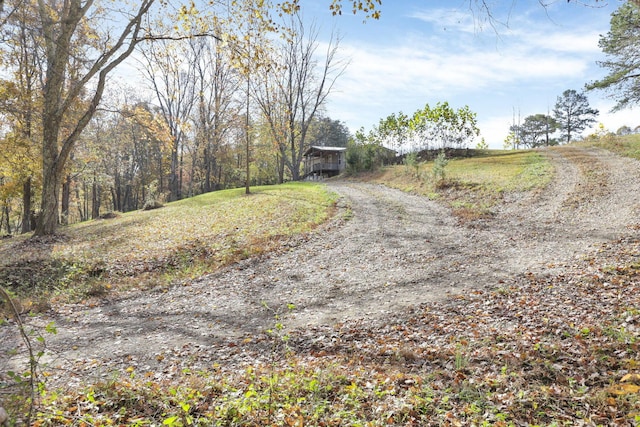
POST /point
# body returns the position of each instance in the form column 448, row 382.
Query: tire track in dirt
column 395, row 251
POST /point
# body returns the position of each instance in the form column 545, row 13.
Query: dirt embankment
column 385, row 252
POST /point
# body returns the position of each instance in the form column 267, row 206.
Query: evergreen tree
column 537, row 130
column 620, row 45
column 573, row 113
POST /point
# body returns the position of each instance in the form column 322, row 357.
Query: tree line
column 571, row 115
column 428, row 128
column 248, row 103
column 572, row 112
column 224, row 96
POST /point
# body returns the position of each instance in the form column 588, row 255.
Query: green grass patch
column 472, row 186
column 503, row 171
column 150, row 248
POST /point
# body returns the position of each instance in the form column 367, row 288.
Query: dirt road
column 385, row 252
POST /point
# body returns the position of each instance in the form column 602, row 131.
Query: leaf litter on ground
column 538, row 350
column 556, row 349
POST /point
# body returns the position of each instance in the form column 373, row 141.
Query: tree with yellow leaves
column 83, row 43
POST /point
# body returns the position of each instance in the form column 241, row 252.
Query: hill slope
column 403, row 315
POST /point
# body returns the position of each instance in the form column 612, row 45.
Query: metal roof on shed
column 325, row 149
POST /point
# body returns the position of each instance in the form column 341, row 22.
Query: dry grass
column 472, row 186
column 540, row 350
column 627, row 145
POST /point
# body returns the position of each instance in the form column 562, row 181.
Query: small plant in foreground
column 28, row 382
column 280, row 339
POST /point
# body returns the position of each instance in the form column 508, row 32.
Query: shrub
column 366, row 157
column 439, row 165
column 411, row 161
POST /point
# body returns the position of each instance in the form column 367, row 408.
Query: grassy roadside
column 626, row 145
column 472, row 187
column 145, row 249
column 537, row 351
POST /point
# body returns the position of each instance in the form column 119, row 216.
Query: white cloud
column 427, row 69
column 448, row 19
column 494, row 130
column 565, row 42
column 613, row 121
column 445, row 57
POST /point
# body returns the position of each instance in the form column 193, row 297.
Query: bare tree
column 216, row 83
column 291, row 97
column 169, row 69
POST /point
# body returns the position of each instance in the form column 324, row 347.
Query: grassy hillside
column 155, row 248
column 146, row 249
column 626, row 145
column 450, row 363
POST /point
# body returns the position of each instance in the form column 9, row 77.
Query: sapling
column 439, row 165
column 280, row 341
column 411, row 161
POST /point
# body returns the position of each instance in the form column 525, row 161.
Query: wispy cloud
column 447, row 19
column 441, row 54
column 435, row 66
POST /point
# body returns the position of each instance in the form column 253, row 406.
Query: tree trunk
column 114, row 206
column 207, row 170
column 66, row 196
column 280, row 160
column 247, row 189
column 173, row 179
column 79, row 203
column 48, row 218
column 95, row 200
column 161, row 187
column 4, row 219
column 127, row 204
column 180, row 170
column 117, row 194
column 26, row 203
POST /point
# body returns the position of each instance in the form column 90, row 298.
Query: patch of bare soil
column 385, row 253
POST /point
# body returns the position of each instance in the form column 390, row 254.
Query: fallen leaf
column 622, row 389
column 631, row 378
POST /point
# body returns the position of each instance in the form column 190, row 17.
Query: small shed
column 324, row 162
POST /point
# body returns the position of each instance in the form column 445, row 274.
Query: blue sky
column 427, row 51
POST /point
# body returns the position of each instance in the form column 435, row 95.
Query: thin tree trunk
column 66, row 196
column 173, row 179
column 207, row 170
column 5, row 217
column 85, row 203
column 113, row 199
column 281, row 166
column 26, row 206
column 247, row 190
column 117, row 194
column 180, row 171
column 128, row 206
column 79, row 203
column 95, row 200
